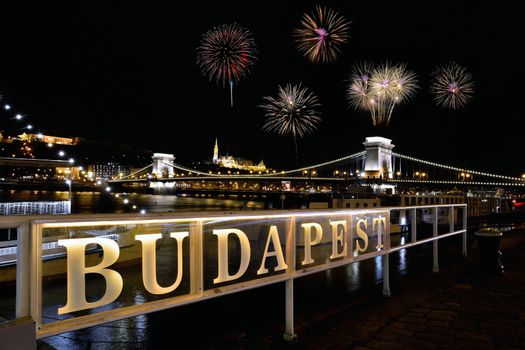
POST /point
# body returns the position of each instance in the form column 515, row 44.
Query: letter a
column 273, row 235
column 77, row 271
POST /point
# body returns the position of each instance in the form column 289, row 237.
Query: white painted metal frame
column 29, row 259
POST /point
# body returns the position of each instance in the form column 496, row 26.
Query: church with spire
column 236, row 162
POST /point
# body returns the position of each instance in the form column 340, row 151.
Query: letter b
column 77, row 271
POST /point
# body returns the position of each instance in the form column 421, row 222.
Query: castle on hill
column 236, row 162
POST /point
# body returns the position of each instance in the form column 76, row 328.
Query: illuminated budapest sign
column 229, row 250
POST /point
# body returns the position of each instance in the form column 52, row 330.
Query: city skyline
column 89, row 71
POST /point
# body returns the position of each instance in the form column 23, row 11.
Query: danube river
column 102, row 202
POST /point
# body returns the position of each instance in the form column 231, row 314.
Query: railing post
column 386, row 259
column 451, row 219
column 413, row 224
column 36, row 274
column 196, row 258
column 465, row 233
column 435, row 266
column 23, row 264
column 289, row 333
column 386, row 275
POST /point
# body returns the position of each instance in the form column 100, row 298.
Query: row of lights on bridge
column 458, row 169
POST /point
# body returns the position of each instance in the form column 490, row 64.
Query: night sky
column 91, row 69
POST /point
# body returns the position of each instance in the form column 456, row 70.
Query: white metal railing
column 29, row 274
column 11, row 250
column 34, row 208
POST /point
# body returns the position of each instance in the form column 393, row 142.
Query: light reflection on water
column 97, row 202
column 378, row 263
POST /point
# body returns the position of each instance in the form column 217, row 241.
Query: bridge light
column 71, row 160
column 61, row 153
column 29, row 127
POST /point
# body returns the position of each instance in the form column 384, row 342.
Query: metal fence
column 295, row 228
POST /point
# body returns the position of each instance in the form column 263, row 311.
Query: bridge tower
column 161, row 164
column 378, row 161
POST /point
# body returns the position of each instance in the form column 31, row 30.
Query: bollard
column 489, row 240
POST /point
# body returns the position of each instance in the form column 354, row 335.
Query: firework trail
column 321, row 35
column 226, row 54
column 452, row 86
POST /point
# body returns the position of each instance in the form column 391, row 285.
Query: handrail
column 342, row 226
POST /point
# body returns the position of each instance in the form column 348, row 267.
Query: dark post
column 489, row 240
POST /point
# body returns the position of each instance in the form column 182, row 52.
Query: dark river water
column 97, row 202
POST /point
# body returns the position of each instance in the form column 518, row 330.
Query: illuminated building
column 236, row 162
column 108, row 170
column 68, row 141
column 216, row 152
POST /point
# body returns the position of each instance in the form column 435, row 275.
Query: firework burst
column 226, row 54
column 321, row 34
column 452, row 86
column 295, row 112
column 378, row 89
